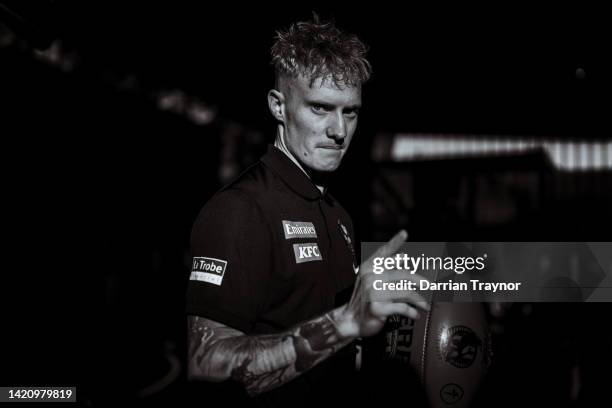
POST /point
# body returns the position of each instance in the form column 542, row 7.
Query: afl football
column 448, row 348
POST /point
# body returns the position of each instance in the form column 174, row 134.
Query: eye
column 319, row 108
column 351, row 113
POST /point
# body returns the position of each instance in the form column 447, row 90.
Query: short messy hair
column 319, row 50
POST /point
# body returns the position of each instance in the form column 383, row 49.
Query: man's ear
column 276, row 103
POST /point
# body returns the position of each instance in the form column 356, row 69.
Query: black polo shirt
column 271, row 251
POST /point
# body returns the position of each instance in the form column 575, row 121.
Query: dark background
column 101, row 185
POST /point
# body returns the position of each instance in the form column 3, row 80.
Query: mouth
column 331, row 147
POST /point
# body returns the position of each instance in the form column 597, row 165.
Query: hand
column 366, row 312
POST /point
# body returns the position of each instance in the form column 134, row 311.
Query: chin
column 327, row 167
column 326, row 164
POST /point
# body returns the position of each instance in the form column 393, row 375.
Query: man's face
column 319, row 121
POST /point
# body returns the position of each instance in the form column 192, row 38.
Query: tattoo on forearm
column 200, row 334
column 260, row 362
column 313, row 341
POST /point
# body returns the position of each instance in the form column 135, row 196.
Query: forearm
column 263, row 362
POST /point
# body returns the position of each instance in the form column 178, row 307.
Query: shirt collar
column 291, row 174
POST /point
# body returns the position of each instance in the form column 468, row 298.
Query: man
column 275, row 296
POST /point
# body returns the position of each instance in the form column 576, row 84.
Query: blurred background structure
column 119, row 121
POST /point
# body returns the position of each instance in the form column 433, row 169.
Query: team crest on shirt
column 349, row 243
column 299, row 229
column 209, row 270
column 307, row 252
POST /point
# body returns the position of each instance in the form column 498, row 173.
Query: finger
column 391, row 281
column 396, row 275
column 392, row 246
column 384, row 310
column 424, row 305
column 418, row 278
column 393, row 286
column 402, row 296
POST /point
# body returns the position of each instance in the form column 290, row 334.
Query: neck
column 279, row 143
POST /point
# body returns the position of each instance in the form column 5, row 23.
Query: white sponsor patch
column 307, row 252
column 209, row 270
column 299, row 229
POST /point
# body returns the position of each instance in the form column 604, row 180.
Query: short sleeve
column 230, row 248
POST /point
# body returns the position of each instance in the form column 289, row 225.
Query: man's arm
column 262, row 362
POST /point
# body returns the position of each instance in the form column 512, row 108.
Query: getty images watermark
column 495, row 271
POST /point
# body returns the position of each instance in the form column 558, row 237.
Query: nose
column 337, row 129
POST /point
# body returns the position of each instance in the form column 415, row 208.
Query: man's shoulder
column 228, row 214
column 250, row 182
column 245, row 194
